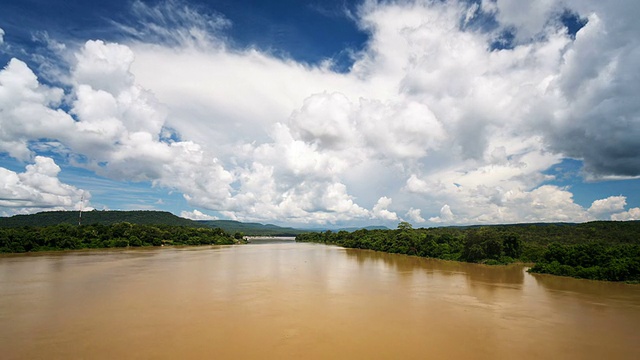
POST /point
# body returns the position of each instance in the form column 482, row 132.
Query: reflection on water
column 292, row 300
column 409, row 265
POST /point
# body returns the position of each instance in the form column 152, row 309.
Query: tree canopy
column 597, row 250
column 65, row 236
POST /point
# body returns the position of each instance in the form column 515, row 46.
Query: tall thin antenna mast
column 81, row 206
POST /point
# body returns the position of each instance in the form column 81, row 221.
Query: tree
column 404, row 226
column 493, row 248
column 512, row 246
column 475, row 253
column 135, row 241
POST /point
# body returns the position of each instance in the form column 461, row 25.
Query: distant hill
column 141, row 217
column 568, row 233
column 355, row 228
column 257, row 229
column 252, row 229
column 152, row 217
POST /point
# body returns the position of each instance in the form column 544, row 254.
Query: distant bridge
column 270, row 239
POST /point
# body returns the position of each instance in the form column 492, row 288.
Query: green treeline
column 65, row 236
column 597, row 250
column 594, row 260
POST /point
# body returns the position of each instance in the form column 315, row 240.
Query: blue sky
column 333, row 113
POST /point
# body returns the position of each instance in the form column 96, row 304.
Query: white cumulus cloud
column 631, row 214
column 428, row 114
column 608, row 205
column 446, row 215
column 197, row 215
column 39, row 188
column 381, row 211
column 415, row 216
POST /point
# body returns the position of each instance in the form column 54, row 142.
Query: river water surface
column 302, row 301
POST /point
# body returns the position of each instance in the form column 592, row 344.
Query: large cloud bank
column 433, row 123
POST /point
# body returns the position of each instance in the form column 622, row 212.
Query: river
column 286, row 300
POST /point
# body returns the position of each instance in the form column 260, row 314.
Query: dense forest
column 601, row 250
column 65, row 236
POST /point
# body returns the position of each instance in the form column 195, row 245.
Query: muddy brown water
column 302, row 301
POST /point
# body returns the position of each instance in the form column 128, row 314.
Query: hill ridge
column 105, row 217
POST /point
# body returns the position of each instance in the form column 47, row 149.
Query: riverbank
column 599, row 251
column 98, row 236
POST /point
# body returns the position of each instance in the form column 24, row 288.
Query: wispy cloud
column 174, row 23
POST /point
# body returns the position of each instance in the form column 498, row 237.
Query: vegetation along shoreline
column 599, row 250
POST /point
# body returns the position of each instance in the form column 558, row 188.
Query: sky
column 323, row 113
